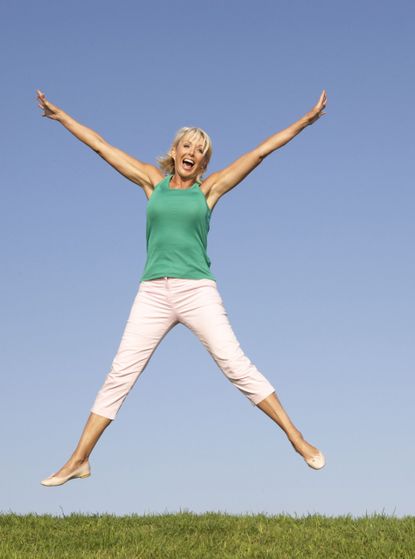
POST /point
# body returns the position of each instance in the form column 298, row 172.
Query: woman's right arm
column 143, row 174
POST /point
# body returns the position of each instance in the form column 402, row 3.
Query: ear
column 172, row 153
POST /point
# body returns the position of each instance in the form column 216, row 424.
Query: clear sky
column 313, row 254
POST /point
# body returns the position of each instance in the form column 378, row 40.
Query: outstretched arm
column 143, row 174
column 221, row 182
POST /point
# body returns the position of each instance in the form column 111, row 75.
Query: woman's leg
column 151, row 317
column 206, row 316
column 272, row 407
column 94, row 427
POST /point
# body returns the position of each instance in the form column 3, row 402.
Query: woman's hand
column 51, row 111
column 318, row 110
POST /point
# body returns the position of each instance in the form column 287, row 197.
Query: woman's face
column 189, row 161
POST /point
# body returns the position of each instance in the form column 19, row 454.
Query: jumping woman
column 177, row 285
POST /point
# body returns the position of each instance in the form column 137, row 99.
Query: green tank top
column 177, row 227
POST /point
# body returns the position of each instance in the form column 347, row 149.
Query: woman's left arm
column 221, row 182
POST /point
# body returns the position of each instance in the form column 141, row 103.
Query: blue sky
column 313, row 254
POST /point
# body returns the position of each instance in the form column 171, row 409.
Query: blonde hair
column 166, row 162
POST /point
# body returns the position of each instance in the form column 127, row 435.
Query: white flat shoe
column 81, row 472
column 316, row 462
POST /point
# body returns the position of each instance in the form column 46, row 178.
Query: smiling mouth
column 188, row 164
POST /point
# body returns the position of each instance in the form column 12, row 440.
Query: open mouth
column 188, row 164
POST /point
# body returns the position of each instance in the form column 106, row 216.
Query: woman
column 177, row 285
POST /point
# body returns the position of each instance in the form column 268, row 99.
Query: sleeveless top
column 177, row 226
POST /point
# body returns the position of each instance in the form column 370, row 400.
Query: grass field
column 211, row 535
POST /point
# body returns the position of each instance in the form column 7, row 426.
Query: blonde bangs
column 196, row 134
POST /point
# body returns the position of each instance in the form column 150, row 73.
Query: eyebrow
column 201, row 145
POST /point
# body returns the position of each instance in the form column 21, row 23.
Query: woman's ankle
column 77, row 460
column 295, row 437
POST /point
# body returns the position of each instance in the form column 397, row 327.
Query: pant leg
column 202, row 310
column 151, row 317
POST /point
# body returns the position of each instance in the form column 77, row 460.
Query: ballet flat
column 316, row 462
column 81, row 472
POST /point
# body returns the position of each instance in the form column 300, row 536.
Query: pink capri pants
column 159, row 305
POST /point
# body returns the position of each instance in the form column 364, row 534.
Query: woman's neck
column 177, row 181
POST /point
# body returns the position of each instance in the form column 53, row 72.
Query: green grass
column 211, row 535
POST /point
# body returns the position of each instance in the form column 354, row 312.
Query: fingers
column 41, row 96
column 323, row 97
column 322, row 102
column 43, row 104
